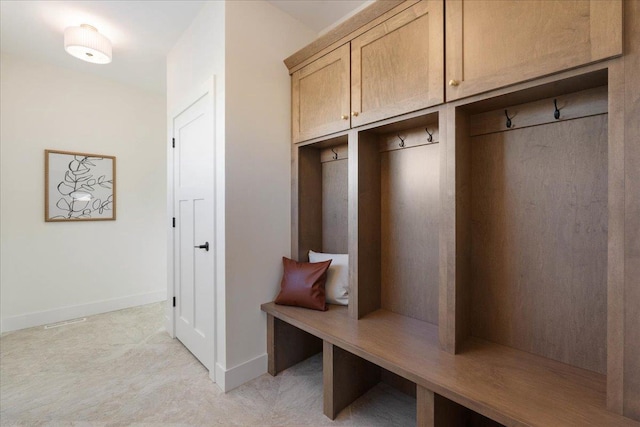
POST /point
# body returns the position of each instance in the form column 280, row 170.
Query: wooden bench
column 508, row 386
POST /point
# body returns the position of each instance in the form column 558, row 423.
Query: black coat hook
column 430, row 139
column 335, row 154
column 556, row 112
column 508, row 124
column 401, row 141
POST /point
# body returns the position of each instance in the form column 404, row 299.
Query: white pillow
column 337, row 285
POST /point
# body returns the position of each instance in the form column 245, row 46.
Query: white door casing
column 193, row 245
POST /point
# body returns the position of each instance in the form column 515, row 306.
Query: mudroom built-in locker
column 487, row 209
column 536, row 226
column 322, row 196
column 398, row 205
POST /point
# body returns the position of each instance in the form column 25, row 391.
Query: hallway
column 122, row 368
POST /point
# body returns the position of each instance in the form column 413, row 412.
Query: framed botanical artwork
column 79, row 186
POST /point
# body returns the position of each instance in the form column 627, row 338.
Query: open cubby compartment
column 322, row 191
column 348, row 376
column 396, row 206
column 448, row 413
column 531, row 220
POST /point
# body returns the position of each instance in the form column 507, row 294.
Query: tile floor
column 122, row 368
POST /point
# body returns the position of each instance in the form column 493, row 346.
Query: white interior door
column 193, row 194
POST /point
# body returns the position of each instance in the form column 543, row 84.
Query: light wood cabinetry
column 492, row 238
column 393, row 68
column 397, row 67
column 492, row 44
column 320, row 96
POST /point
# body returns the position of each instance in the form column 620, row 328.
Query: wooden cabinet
column 492, row 44
column 495, row 224
column 397, row 67
column 393, row 68
column 320, row 96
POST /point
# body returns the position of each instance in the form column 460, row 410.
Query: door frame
column 207, row 89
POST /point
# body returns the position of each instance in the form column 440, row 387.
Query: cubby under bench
column 485, row 384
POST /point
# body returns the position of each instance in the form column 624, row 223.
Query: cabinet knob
column 354, row 113
column 345, row 117
column 453, row 82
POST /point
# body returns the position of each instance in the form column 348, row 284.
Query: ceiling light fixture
column 86, row 43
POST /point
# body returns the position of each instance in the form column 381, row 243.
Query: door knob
column 354, row 113
column 205, row 246
column 454, row 82
column 345, row 117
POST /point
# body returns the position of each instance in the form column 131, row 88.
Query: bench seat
column 507, row 385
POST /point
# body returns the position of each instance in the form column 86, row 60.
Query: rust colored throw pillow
column 303, row 284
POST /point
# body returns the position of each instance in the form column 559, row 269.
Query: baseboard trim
column 39, row 318
column 228, row 379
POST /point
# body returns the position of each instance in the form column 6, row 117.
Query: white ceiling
column 320, row 15
column 142, row 32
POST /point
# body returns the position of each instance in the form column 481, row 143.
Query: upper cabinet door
column 320, row 96
column 397, row 66
column 492, row 44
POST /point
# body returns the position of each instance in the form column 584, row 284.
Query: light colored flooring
column 122, row 368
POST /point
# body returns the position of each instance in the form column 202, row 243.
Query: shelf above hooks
column 409, row 138
column 585, row 103
column 334, row 153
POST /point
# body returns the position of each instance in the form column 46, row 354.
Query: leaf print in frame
column 79, row 186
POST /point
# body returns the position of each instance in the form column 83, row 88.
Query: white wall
column 243, row 43
column 258, row 166
column 56, row 271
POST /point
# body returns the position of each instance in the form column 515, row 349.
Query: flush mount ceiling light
column 86, row 43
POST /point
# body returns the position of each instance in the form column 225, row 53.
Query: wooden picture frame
column 79, row 186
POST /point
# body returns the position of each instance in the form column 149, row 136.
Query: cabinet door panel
column 492, row 44
column 320, row 96
column 397, row 67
